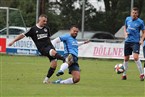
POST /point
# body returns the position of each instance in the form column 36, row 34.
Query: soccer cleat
column 45, row 81
column 142, row 77
column 124, row 77
column 60, row 72
column 57, row 81
column 69, row 59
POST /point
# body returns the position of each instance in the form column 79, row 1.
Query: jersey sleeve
column 28, row 33
column 142, row 26
column 48, row 30
column 126, row 22
column 64, row 37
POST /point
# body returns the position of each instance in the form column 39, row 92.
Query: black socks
column 59, row 57
column 50, row 72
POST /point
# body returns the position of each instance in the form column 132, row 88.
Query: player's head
column 134, row 13
column 42, row 20
column 74, row 31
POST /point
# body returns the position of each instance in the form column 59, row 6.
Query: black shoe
column 60, row 72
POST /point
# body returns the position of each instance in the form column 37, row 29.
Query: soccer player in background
column 133, row 25
column 144, row 55
column 70, row 53
column 40, row 35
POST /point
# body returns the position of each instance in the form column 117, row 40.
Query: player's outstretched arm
column 20, row 36
column 125, row 32
column 85, row 42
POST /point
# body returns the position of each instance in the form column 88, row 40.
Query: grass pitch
column 22, row 76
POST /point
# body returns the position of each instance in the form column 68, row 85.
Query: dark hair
column 135, row 9
column 74, row 26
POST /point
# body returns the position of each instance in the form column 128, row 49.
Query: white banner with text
column 105, row 50
column 91, row 50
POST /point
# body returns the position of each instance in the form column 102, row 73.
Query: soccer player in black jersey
column 40, row 35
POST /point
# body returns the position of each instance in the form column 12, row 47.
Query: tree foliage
column 63, row 13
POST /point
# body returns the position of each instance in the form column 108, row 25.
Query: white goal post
column 7, row 9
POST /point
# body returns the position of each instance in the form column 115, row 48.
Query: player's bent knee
column 76, row 79
column 52, row 52
column 135, row 59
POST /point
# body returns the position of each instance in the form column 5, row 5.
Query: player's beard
column 74, row 36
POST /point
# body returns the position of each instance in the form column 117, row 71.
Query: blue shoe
column 60, row 72
column 57, row 81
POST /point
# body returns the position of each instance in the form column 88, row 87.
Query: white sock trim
column 125, row 65
column 139, row 65
column 64, row 66
column 67, row 81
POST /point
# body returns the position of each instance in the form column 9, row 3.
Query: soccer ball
column 119, row 68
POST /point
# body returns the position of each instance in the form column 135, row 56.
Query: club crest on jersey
column 45, row 30
column 36, row 31
column 136, row 24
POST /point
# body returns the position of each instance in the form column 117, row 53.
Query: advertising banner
column 3, row 45
column 22, row 47
column 105, row 50
column 91, row 50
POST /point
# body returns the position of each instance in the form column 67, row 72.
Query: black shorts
column 45, row 52
column 130, row 47
column 144, row 51
column 74, row 67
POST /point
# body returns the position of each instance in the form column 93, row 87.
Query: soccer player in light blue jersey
column 144, row 55
column 133, row 26
column 71, row 54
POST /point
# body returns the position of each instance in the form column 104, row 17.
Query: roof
column 120, row 33
column 87, row 34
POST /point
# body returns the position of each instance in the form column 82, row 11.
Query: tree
column 70, row 14
column 63, row 13
column 67, row 13
column 28, row 9
column 116, row 12
column 142, row 15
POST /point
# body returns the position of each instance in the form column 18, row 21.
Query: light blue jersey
column 133, row 28
column 70, row 44
column 144, row 48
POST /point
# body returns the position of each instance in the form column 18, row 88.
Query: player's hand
column 87, row 41
column 140, row 42
column 11, row 43
column 126, row 34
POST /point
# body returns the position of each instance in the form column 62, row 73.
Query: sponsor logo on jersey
column 40, row 36
column 75, row 43
column 129, row 27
